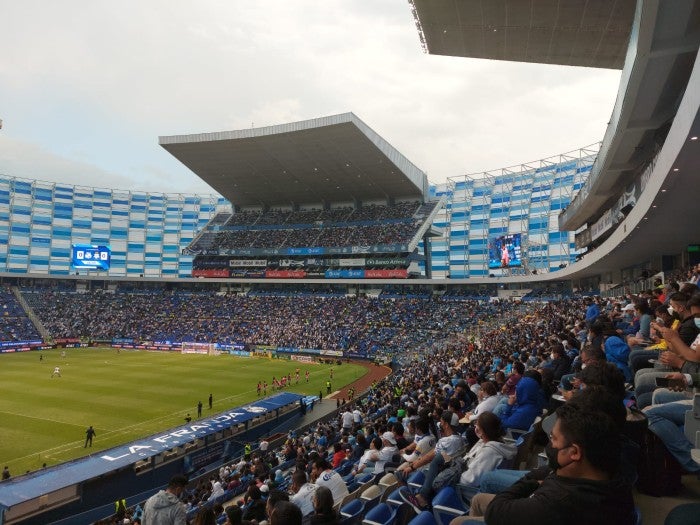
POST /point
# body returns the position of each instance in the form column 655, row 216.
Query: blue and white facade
column 39, row 221
column 147, row 232
column 525, row 199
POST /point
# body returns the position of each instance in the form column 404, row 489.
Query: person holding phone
column 667, row 420
column 683, row 353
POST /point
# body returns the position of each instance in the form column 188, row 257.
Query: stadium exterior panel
column 147, row 232
column 519, row 203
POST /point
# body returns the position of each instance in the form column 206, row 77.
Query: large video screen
column 90, row 256
column 505, row 251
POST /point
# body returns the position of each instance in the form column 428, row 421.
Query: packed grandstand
column 543, row 352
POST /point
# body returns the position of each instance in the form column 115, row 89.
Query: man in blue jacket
column 525, row 405
column 592, row 312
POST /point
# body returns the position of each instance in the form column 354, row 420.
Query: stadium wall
column 525, row 199
column 146, row 231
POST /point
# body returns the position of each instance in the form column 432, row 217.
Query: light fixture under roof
column 675, row 169
column 694, row 138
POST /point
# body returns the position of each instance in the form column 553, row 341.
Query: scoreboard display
column 505, row 251
column 90, row 256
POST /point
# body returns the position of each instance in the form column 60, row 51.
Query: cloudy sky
column 87, row 86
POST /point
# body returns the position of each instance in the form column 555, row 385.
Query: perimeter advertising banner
column 285, row 274
column 386, row 274
column 367, row 274
column 391, row 261
column 345, row 274
column 247, row 263
column 210, row 273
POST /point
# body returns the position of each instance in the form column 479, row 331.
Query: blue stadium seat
column 424, row 518
column 394, row 500
column 447, row 505
column 354, row 509
column 364, row 478
column 416, row 479
column 382, row 514
column 345, row 467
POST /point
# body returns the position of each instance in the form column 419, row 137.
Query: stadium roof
column 323, row 160
column 589, row 33
column 663, row 51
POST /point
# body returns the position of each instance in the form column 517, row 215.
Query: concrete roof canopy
column 323, row 160
column 588, row 33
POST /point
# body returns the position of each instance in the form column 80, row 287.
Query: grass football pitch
column 125, row 396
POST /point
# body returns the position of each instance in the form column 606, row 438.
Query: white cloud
column 88, row 86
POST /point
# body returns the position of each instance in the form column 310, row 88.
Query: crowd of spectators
column 370, row 212
column 654, row 336
column 467, row 370
column 355, row 325
column 321, row 228
column 445, row 415
column 14, row 323
column 333, row 236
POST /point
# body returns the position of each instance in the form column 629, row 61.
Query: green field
column 125, row 396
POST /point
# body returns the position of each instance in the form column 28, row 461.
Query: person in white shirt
column 303, row 492
column 450, row 445
column 486, row 455
column 324, row 476
column 347, row 419
column 357, row 417
column 423, row 442
column 380, row 457
column 488, row 399
column 216, row 490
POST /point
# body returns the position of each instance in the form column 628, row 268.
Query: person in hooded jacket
column 486, row 454
column 526, row 404
column 165, row 507
column 618, row 353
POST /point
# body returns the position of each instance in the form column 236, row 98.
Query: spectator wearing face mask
column 582, row 487
column 559, row 362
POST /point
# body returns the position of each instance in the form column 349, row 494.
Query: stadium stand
column 435, row 385
column 358, row 326
column 450, row 343
column 15, row 325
